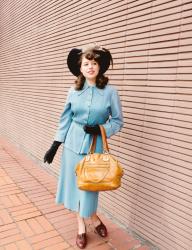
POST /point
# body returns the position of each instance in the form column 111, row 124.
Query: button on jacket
column 89, row 106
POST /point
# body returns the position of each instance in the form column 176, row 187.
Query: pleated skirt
column 84, row 202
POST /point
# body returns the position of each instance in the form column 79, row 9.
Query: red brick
column 66, row 223
column 5, row 217
column 36, row 195
column 27, row 216
column 36, row 198
column 60, row 246
column 25, row 228
column 11, row 239
column 70, row 234
column 15, row 200
column 8, row 233
column 47, row 201
column 9, row 190
column 63, row 221
column 44, row 223
column 7, row 227
column 11, row 246
column 7, row 179
column 127, row 245
column 35, row 186
column 64, row 229
column 143, row 248
column 35, row 226
column 104, row 246
column 120, row 235
column 42, row 237
column 48, row 242
column 2, row 172
column 19, row 209
column 24, row 212
column 23, row 245
column 30, row 183
column 24, row 199
column 2, row 181
column 32, row 188
column 49, row 208
column 6, row 201
column 58, row 214
column 72, row 242
column 8, row 187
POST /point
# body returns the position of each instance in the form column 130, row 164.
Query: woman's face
column 90, row 69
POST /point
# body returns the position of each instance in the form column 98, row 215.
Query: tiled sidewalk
column 29, row 218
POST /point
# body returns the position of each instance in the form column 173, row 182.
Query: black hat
column 105, row 59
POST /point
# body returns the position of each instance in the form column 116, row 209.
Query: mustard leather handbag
column 99, row 172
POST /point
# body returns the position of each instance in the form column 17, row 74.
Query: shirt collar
column 87, row 86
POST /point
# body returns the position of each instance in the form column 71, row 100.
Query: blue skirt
column 84, row 202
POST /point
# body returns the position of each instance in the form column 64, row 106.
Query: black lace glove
column 93, row 130
column 49, row 155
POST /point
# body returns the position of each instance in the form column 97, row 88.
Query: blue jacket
column 89, row 106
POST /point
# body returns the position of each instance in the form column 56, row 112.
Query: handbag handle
column 104, row 140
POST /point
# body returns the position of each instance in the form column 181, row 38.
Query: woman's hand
column 93, row 130
column 49, row 155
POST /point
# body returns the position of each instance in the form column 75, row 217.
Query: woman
column 90, row 103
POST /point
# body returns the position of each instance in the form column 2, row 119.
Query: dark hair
column 101, row 79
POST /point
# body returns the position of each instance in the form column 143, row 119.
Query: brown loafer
column 101, row 229
column 81, row 240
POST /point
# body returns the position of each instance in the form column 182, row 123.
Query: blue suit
column 89, row 106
